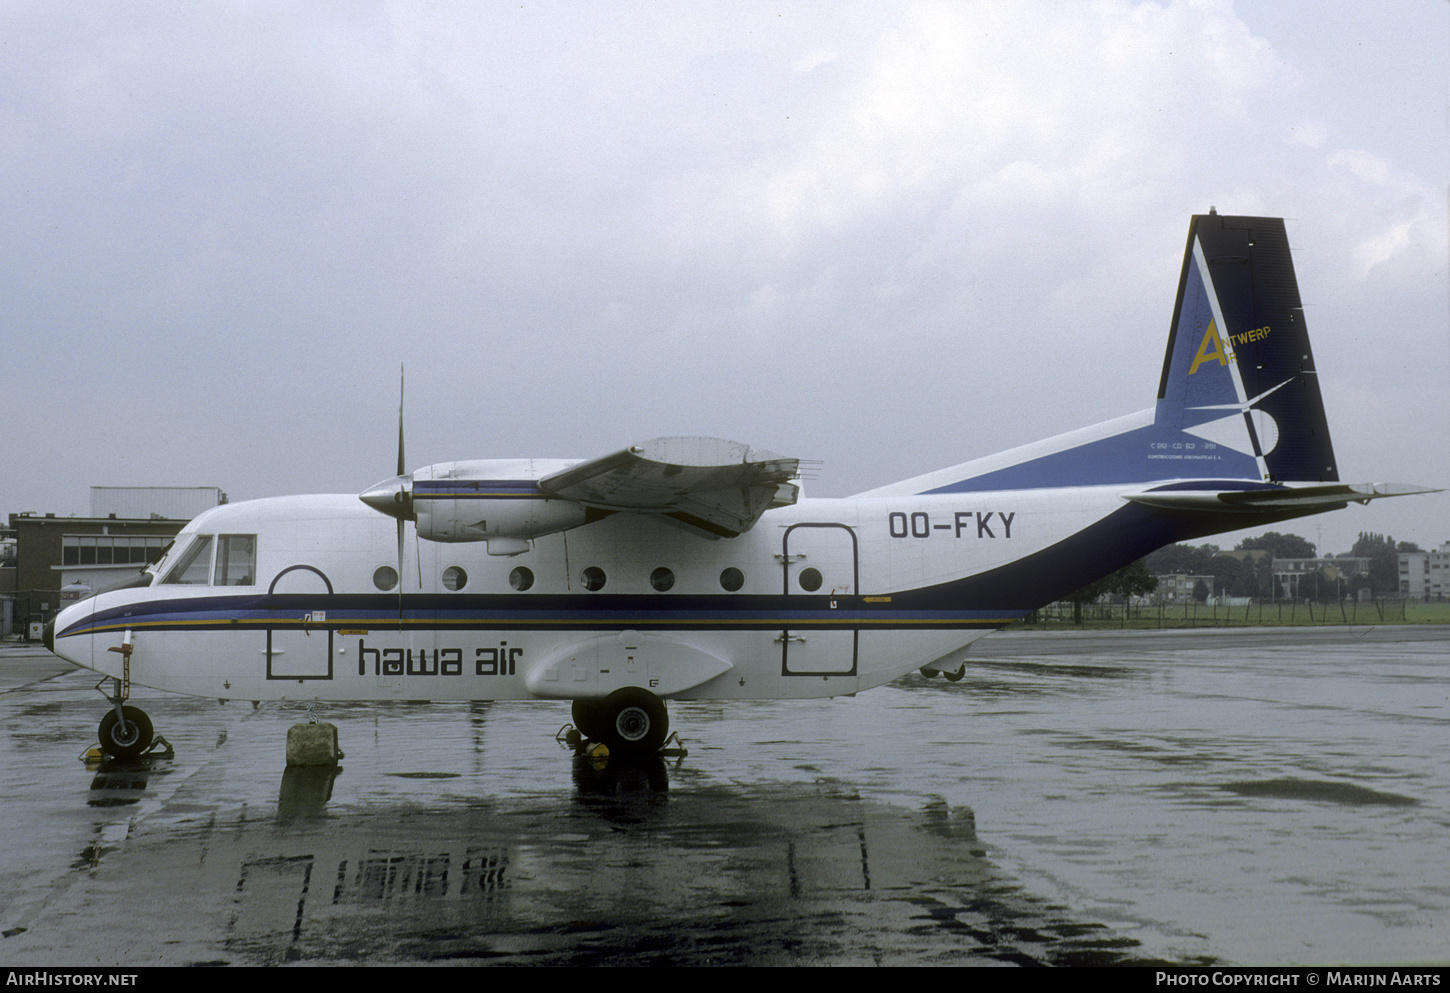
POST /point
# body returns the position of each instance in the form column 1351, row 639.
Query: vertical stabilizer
column 1238, row 399
column 1239, row 372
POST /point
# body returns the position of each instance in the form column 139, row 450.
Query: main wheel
column 128, row 738
column 635, row 722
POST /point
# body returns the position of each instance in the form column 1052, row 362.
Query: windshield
column 193, row 568
column 236, row 560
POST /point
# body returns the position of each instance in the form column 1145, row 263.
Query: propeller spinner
column 394, row 497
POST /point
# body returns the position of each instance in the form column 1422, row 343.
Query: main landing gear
column 630, row 722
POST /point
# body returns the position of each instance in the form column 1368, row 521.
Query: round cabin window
column 593, row 578
column 662, row 579
column 521, row 578
column 732, row 579
column 385, row 577
column 455, row 578
column 810, row 579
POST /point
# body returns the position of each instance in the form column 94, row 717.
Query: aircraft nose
column 393, row 497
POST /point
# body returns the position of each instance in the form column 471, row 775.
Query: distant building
column 170, row 503
column 53, row 553
column 1295, row 578
column 1178, row 587
column 1426, row 575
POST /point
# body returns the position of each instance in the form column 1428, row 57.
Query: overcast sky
column 886, row 236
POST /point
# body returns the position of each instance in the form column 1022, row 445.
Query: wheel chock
column 313, row 744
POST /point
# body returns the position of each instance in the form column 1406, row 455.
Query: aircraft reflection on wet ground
column 620, row 871
column 1139, row 800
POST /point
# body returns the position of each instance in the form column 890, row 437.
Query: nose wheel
column 125, row 735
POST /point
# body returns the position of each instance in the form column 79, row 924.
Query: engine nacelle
column 497, row 501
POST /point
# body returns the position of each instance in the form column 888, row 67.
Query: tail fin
column 1239, row 374
column 1238, row 400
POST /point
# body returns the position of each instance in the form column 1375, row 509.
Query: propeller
column 403, row 495
column 394, row 497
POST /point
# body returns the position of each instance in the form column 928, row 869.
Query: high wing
column 711, row 486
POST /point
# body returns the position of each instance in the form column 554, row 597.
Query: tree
column 1236, row 576
column 1187, row 559
column 1283, row 546
column 1279, row 546
column 1131, row 580
column 1230, row 573
column 1384, row 560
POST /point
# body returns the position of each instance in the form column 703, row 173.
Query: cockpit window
column 194, row 566
column 236, row 560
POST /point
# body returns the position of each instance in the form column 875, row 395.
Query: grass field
column 1059, row 616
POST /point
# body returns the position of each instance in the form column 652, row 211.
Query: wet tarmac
column 1256, row 798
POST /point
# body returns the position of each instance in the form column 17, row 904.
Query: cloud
column 871, row 232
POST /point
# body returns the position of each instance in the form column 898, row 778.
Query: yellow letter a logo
column 1210, row 348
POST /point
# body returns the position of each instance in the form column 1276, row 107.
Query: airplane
column 695, row 568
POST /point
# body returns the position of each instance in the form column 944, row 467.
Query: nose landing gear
column 125, row 732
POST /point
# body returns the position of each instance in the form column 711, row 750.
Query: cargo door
column 819, row 566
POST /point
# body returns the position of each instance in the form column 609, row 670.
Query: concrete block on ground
column 312, row 744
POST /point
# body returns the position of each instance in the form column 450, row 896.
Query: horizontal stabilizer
column 711, row 486
column 1271, row 499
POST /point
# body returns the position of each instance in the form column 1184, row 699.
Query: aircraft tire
column 955, row 677
column 125, row 739
column 588, row 718
column 636, row 722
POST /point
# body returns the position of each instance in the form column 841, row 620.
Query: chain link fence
column 1065, row 614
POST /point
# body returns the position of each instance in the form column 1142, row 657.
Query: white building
column 1295, row 577
column 1178, row 587
column 167, row 503
column 1426, row 575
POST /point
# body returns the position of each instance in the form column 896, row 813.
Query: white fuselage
column 601, row 585
column 823, row 598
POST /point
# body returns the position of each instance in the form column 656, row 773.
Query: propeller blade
column 402, row 468
column 394, row 497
